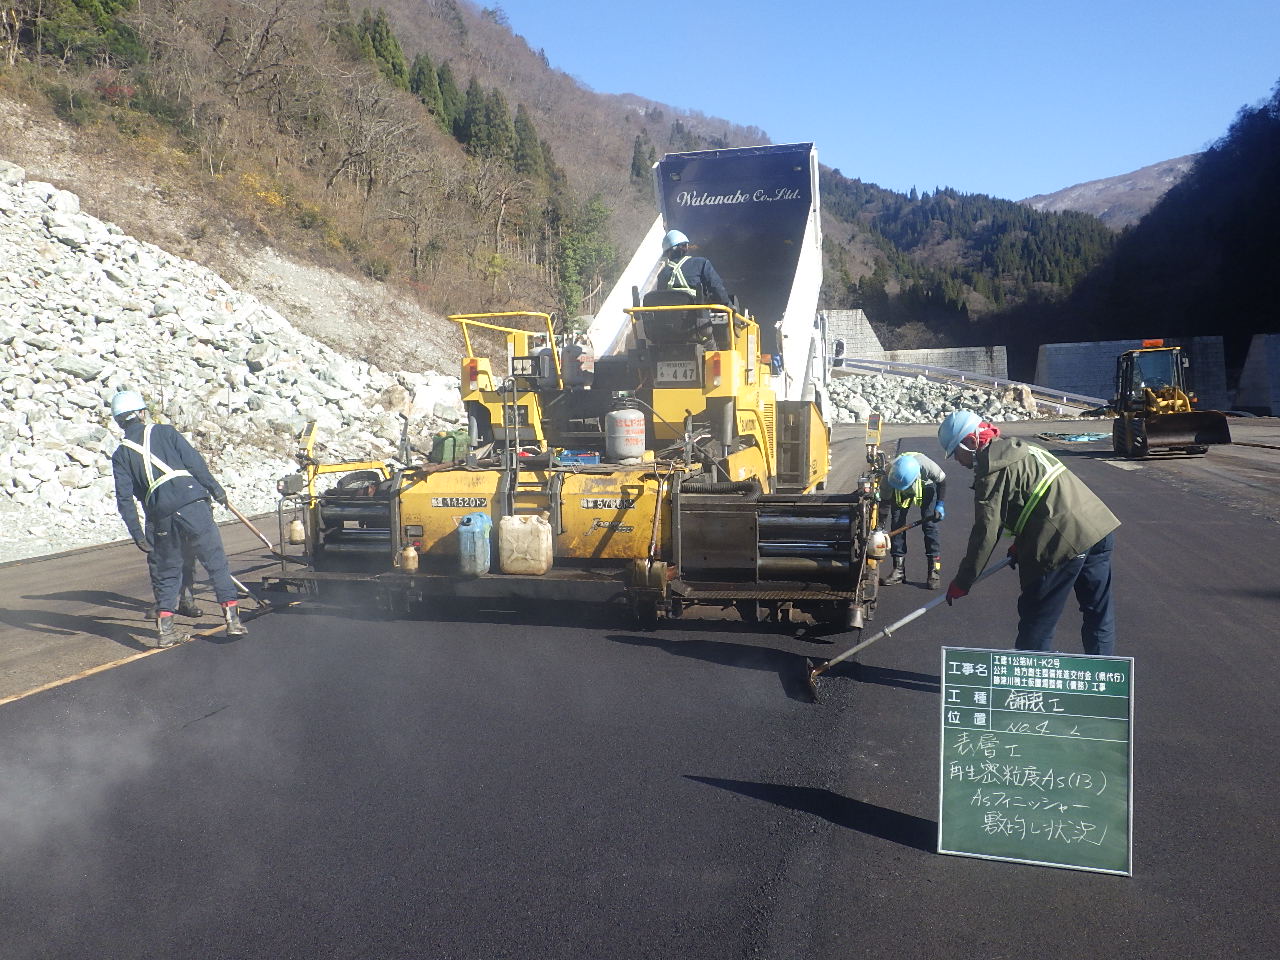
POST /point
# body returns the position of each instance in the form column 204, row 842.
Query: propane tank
column 878, row 545
column 409, row 559
column 624, row 432
column 297, row 532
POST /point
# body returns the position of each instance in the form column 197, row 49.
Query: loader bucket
column 1197, row 428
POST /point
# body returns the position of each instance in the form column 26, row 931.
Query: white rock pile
column 86, row 310
column 917, row 400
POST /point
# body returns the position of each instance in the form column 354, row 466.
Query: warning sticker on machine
column 607, row 503
column 459, row 501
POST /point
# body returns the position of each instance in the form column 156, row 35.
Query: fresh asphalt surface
column 558, row 784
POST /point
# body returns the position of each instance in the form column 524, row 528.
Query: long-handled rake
column 815, row 669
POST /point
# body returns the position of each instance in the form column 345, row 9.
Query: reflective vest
column 165, row 472
column 1053, row 469
column 677, row 281
column 914, row 494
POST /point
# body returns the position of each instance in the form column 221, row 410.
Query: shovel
column 818, row 669
column 261, row 536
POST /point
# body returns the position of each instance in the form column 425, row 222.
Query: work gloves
column 1013, row 556
column 221, row 501
column 143, row 545
column 939, row 511
column 954, row 593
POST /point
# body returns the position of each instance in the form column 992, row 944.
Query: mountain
column 1121, row 201
column 1200, row 263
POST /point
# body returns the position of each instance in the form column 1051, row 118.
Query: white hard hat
column 127, row 401
column 673, row 239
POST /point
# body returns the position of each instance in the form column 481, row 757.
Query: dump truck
column 1154, row 407
column 689, row 467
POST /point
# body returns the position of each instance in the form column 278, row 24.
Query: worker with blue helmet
column 916, row 481
column 1063, row 535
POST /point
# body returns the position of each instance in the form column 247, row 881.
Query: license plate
column 678, row 371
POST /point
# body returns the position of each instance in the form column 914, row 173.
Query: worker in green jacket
column 1063, row 534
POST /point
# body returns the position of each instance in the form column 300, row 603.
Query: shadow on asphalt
column 888, row 677
column 792, row 670
column 900, row 828
column 67, row 624
column 97, row 598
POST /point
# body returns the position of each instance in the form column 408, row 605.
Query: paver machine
column 678, row 479
column 690, row 467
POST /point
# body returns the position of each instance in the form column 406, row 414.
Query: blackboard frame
column 1049, row 734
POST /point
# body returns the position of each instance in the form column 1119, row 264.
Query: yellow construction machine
column 1154, row 410
column 675, row 477
column 687, row 467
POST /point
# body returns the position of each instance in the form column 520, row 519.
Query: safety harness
column 1053, row 469
column 677, row 281
column 144, row 448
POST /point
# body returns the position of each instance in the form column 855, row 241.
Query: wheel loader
column 1154, row 409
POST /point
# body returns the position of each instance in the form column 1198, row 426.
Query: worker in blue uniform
column 680, row 271
column 916, row 481
column 156, row 466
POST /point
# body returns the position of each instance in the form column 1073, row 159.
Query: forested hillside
column 927, row 267
column 429, row 147
column 1201, row 263
column 425, row 145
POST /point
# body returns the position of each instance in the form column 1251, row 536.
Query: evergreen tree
column 423, row 82
column 640, row 165
column 497, row 120
column 386, row 50
column 473, row 131
column 585, row 254
column 451, row 102
column 528, row 160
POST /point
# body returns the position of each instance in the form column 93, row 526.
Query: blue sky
column 1009, row 99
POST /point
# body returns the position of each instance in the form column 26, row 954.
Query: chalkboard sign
column 1037, row 758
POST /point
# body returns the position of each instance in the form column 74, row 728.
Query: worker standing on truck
column 680, row 271
column 1063, row 534
column 916, row 481
column 155, row 465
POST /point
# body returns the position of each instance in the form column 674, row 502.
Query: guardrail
column 1044, row 396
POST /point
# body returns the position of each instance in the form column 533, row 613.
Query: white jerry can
column 525, row 544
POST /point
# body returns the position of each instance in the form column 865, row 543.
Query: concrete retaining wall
column 987, row 361
column 1090, row 368
column 1259, row 389
column 849, row 334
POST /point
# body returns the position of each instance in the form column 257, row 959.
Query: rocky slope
column 1117, row 201
column 86, row 310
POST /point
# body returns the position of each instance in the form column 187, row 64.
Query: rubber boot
column 231, row 614
column 167, row 631
column 187, row 605
column 935, row 573
column 899, row 572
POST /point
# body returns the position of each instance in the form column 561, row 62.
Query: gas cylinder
column 624, row 430
column 297, row 532
column 473, row 544
column 409, row 559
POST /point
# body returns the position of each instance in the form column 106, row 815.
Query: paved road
column 496, row 785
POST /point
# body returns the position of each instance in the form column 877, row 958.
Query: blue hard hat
column 955, row 427
column 904, row 471
column 127, row 401
column 673, row 239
